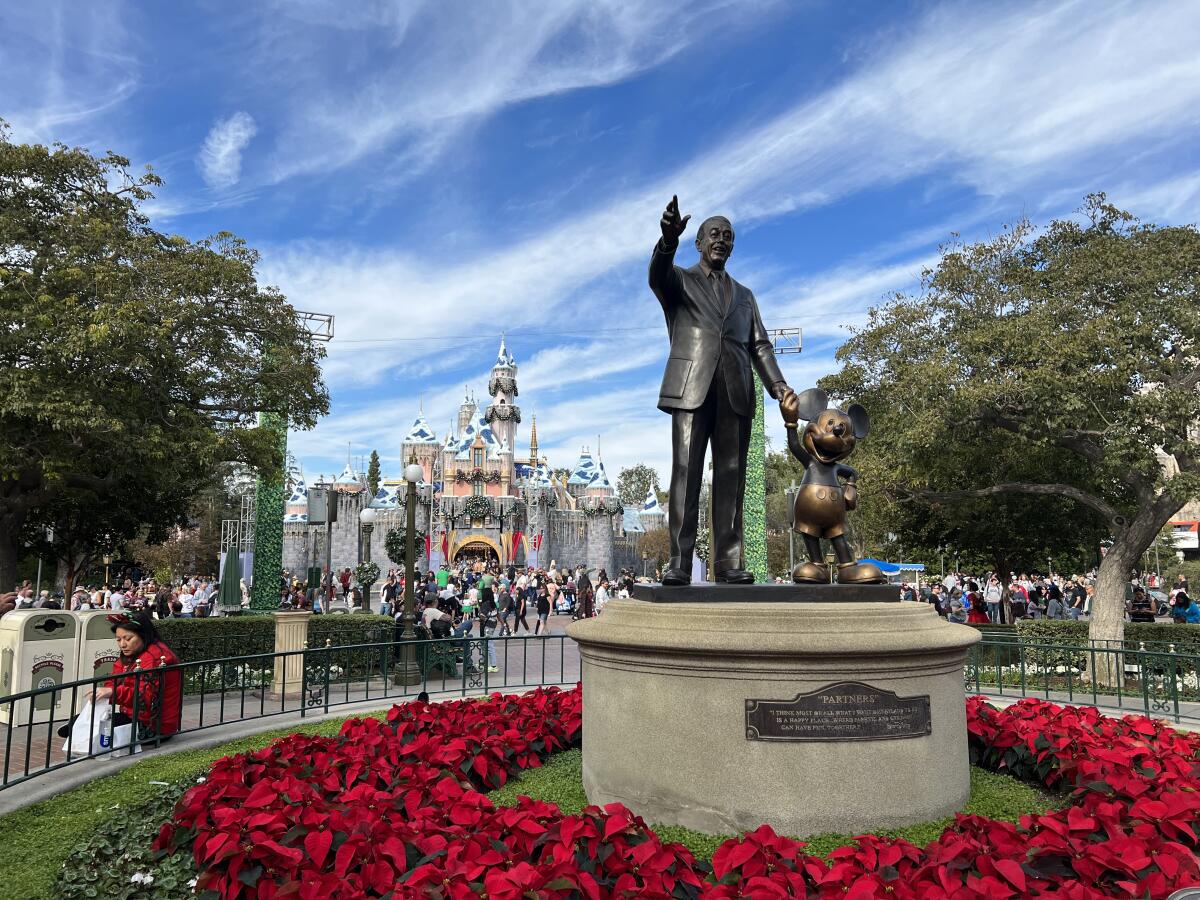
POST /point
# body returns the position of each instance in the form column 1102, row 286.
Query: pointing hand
column 672, row 224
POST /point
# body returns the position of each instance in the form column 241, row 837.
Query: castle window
column 477, row 488
column 479, row 459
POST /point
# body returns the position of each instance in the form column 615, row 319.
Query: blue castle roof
column 585, row 469
column 421, row 432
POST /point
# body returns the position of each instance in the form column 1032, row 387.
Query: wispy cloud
column 220, row 158
column 1005, row 102
column 66, row 72
column 439, row 71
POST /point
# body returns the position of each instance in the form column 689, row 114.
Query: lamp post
column 107, row 562
column 37, row 591
column 645, row 563
column 409, row 673
column 366, row 518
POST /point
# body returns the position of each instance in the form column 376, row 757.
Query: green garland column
column 754, row 510
column 268, row 524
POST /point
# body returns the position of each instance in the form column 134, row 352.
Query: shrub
column 219, row 638
column 1186, row 638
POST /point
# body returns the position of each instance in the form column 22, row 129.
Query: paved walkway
column 522, row 662
column 1187, row 713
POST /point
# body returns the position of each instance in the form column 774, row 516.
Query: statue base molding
column 809, row 713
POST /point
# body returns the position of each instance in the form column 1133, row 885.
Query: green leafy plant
column 367, row 573
column 394, row 544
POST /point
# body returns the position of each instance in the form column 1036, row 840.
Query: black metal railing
column 1154, row 680
column 232, row 689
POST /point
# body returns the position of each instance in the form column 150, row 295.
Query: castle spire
column 533, row 445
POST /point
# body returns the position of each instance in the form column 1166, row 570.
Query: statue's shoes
column 811, row 573
column 735, row 576
column 860, row 573
column 676, row 578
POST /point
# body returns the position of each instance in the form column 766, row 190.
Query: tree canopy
column 133, row 364
column 1048, row 366
column 635, row 482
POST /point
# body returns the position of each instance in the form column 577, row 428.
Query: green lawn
column 560, row 782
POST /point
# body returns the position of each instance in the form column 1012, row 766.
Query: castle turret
column 421, row 444
column 466, row 412
column 533, row 445
column 503, row 415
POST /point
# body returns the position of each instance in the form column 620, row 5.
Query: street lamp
column 107, row 562
column 409, row 673
column 366, row 518
column 37, row 591
column 645, row 563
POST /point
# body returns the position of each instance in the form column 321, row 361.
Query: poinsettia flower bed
column 396, row 809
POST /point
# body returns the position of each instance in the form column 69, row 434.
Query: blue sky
column 435, row 174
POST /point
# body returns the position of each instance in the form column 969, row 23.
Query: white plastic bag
column 122, row 737
column 85, row 733
column 86, row 737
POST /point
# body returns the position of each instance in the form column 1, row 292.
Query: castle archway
column 476, row 546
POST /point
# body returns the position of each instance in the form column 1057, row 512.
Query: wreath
column 395, row 547
column 401, row 812
column 477, row 506
column 366, row 573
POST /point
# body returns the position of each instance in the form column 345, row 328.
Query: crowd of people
column 194, row 596
column 997, row 599
column 474, row 592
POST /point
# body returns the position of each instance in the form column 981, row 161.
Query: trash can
column 38, row 649
column 97, row 646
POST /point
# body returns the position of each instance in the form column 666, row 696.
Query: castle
column 479, row 499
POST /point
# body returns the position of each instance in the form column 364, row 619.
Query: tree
column 1051, row 365
column 656, row 545
column 373, row 473
column 133, row 364
column 634, row 483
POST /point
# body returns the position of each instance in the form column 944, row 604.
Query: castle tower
column 421, row 443
column 533, row 447
column 466, row 412
column 503, row 415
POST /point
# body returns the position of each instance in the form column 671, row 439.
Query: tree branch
column 1024, row 487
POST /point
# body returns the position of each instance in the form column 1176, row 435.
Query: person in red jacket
column 976, row 608
column 155, row 697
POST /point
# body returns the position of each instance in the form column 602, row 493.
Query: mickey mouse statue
column 822, row 501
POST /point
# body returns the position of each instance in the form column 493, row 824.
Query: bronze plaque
column 846, row 711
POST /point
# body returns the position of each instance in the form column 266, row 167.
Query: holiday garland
column 396, row 809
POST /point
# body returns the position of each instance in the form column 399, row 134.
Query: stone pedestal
column 291, row 633
column 810, row 708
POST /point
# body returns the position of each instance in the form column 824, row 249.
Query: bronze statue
column 822, row 501
column 716, row 335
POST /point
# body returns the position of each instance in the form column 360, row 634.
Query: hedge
column 221, row 637
column 1156, row 635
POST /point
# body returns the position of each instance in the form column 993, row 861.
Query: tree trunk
column 1107, row 630
column 8, row 562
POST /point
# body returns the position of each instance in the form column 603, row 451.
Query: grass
column 38, row 839
column 560, row 782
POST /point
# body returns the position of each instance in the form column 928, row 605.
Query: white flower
column 137, row 878
column 192, row 882
column 148, row 879
column 201, row 780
